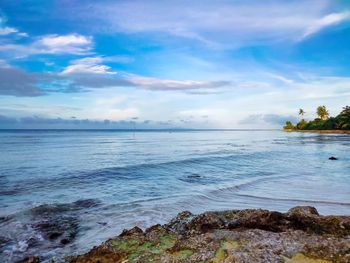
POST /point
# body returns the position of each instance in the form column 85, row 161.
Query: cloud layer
column 36, row 122
column 228, row 23
column 86, row 74
column 16, row 82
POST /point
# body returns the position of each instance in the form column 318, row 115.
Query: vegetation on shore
column 323, row 121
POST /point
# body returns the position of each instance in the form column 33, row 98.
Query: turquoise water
column 105, row 181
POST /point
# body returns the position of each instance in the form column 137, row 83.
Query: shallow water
column 121, row 179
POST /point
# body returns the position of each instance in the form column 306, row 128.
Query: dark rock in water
column 86, row 203
column 4, row 241
column 194, row 176
column 47, row 209
column 33, row 242
column 251, row 235
column 333, row 158
column 4, row 219
column 29, row 260
column 58, row 229
column 59, row 223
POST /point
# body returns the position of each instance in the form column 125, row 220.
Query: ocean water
column 90, row 185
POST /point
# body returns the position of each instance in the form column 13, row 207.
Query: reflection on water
column 62, row 192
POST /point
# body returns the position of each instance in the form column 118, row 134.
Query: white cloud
column 50, row 44
column 326, row 21
column 88, row 65
column 183, row 85
column 7, row 30
column 69, row 44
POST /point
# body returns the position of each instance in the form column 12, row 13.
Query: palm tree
column 346, row 111
column 322, row 112
column 301, row 112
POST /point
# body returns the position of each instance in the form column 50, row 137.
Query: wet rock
column 59, row 229
column 261, row 219
column 302, row 211
column 307, row 219
column 194, row 176
column 205, row 222
column 333, row 158
column 178, row 224
column 4, row 241
column 31, row 259
column 135, row 231
column 4, row 219
column 59, row 223
column 49, row 209
column 86, row 203
column 101, row 254
column 33, row 242
column 247, row 236
column 154, row 232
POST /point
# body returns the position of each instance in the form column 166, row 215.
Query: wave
column 294, row 200
column 127, row 172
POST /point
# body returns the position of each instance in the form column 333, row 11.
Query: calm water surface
column 96, row 183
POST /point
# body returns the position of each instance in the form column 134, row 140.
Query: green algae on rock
column 251, row 235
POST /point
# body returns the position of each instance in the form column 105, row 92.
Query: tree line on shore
column 323, row 121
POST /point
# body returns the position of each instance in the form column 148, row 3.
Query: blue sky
column 164, row 64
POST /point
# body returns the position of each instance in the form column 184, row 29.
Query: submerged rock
column 30, row 260
column 4, row 241
column 59, row 223
column 49, row 209
column 252, row 235
column 61, row 230
column 333, row 158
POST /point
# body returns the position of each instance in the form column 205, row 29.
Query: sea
column 64, row 191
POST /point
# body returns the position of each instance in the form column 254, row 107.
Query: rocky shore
column 252, row 235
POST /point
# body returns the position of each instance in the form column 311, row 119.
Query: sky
column 171, row 64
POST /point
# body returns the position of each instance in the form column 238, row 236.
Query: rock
column 135, row 231
column 85, row 203
column 31, row 259
column 194, row 176
column 301, row 211
column 154, row 232
column 49, row 209
column 4, row 241
column 100, row 254
column 58, row 229
column 247, row 236
column 178, row 223
column 4, row 219
column 306, row 218
column 205, row 222
column 333, row 158
column 261, row 219
column 59, row 223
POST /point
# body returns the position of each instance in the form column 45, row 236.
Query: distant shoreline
column 133, row 130
column 320, row 131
